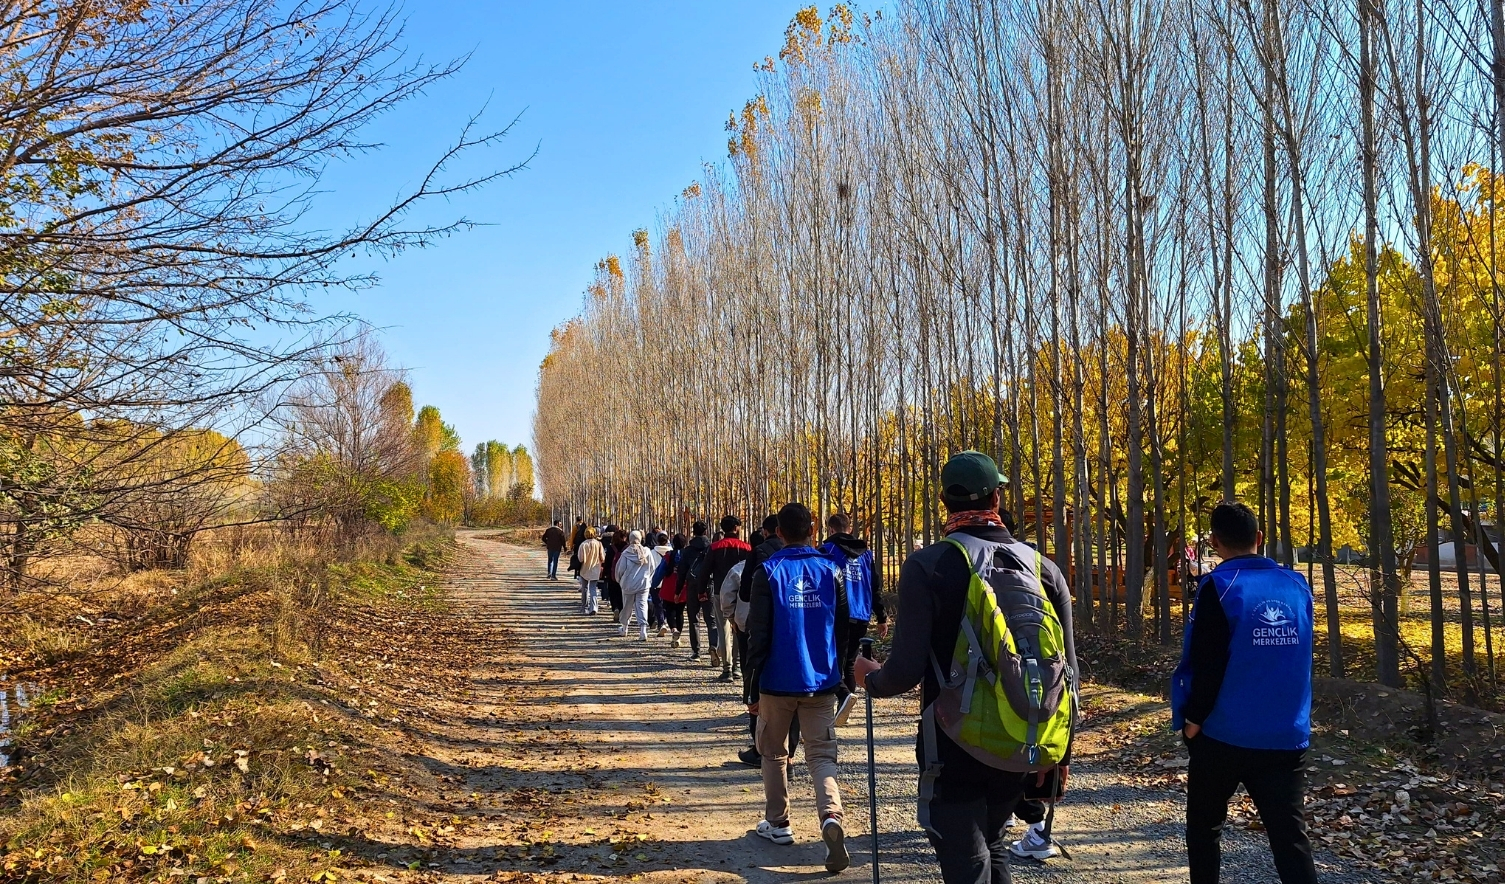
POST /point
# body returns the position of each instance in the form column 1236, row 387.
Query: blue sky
column 625, row 103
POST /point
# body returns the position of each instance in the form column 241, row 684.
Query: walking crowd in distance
column 984, row 628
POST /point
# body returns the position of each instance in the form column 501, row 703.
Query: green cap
column 969, row 475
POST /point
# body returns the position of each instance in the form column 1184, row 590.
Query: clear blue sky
column 625, row 103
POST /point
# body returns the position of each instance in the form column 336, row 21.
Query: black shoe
column 835, row 837
column 750, row 757
column 726, row 675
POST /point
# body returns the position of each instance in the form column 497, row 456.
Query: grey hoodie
column 635, row 566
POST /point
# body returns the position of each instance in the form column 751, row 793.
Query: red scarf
column 973, row 518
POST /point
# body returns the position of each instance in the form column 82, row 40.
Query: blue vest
column 1266, row 698
column 859, row 576
column 802, row 656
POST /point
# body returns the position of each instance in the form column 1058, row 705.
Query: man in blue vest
column 1242, row 697
column 864, row 598
column 796, row 642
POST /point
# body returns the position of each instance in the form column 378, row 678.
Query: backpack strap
column 1034, row 687
column 931, row 771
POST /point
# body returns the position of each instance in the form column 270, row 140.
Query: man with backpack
column 709, row 573
column 689, row 557
column 796, row 635
column 864, row 601
column 965, row 604
column 1242, row 698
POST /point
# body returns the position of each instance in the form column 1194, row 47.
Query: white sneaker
column 663, row 631
column 835, row 837
column 1034, row 844
column 777, row 834
column 622, row 630
column 844, row 711
column 674, row 643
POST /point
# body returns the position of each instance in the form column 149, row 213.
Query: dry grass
column 191, row 734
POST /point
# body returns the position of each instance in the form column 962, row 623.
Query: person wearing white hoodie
column 634, row 573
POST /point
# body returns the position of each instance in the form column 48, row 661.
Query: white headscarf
column 636, row 549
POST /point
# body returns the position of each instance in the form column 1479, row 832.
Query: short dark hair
column 795, row 522
column 730, row 524
column 558, row 522
column 839, row 523
column 679, row 541
column 771, row 523
column 698, row 528
column 1235, row 525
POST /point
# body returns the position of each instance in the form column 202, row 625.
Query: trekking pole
column 872, row 766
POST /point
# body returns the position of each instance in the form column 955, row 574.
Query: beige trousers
column 817, row 717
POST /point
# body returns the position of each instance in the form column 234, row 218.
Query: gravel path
column 632, row 742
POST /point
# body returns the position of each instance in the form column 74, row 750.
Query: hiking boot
column 835, row 837
column 715, row 657
column 844, row 711
column 780, row 834
column 1035, row 844
column 674, row 642
column 750, row 757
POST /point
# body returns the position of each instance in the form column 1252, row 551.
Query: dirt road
column 579, row 753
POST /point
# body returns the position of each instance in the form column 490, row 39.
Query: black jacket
column 760, row 553
column 553, row 538
column 718, row 561
column 691, row 554
column 760, row 615
column 932, row 592
column 852, row 547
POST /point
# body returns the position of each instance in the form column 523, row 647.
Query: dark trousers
column 614, row 595
column 857, row 631
column 1274, row 779
column 674, row 613
column 1031, row 811
column 969, row 816
column 702, row 610
column 554, row 563
column 656, row 611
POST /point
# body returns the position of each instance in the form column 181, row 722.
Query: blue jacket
column 793, row 646
column 1264, row 697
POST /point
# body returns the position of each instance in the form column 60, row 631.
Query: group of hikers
column 984, row 627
